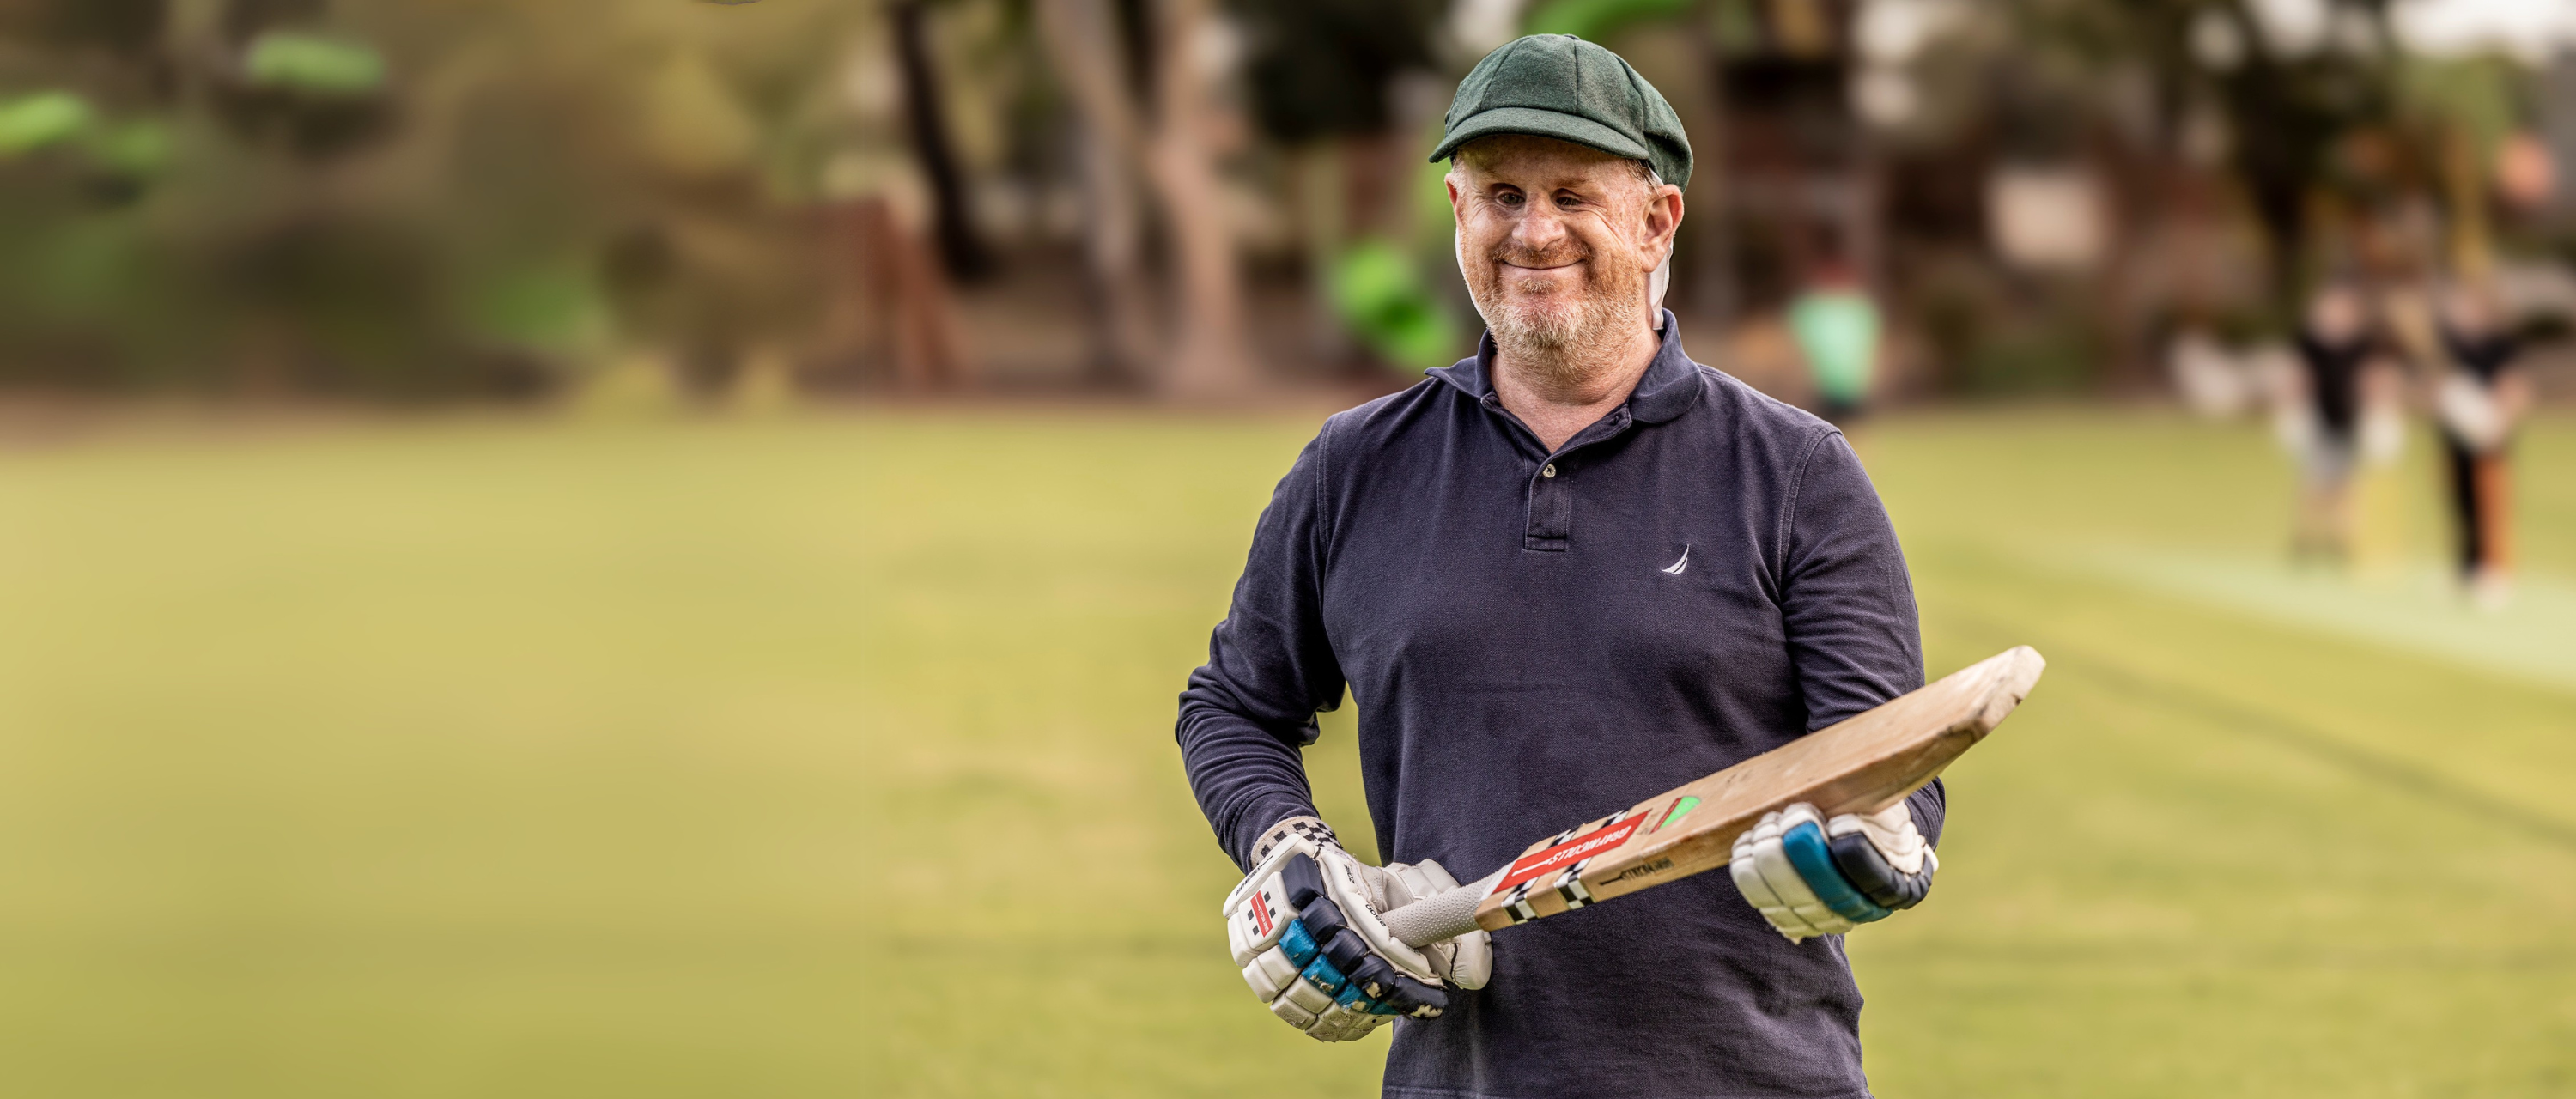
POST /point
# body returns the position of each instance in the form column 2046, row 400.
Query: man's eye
column 1568, row 201
column 1509, row 198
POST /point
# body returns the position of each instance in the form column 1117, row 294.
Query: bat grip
column 1441, row 916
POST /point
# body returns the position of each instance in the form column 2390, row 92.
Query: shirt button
column 1548, row 470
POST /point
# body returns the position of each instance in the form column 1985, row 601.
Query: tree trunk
column 1082, row 49
column 1211, row 359
column 960, row 248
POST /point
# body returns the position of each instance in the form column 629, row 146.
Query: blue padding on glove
column 1299, row 944
column 1805, row 846
column 1326, row 979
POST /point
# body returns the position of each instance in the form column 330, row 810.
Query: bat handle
column 1441, row 916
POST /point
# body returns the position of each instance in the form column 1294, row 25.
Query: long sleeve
column 1847, row 603
column 1251, row 707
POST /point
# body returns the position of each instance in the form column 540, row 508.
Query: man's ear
column 1664, row 218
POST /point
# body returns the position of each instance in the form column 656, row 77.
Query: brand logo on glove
column 1583, row 846
column 1261, row 914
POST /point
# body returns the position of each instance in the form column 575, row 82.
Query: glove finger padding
column 1883, row 856
column 1341, row 1023
column 1303, row 930
column 1355, row 976
column 1804, row 844
column 1814, row 877
column 1771, row 883
column 1348, row 882
column 1466, row 961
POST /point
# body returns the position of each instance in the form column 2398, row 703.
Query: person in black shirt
column 2479, row 400
column 2339, row 359
column 1555, row 578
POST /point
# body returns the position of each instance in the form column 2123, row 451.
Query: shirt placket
column 1551, row 485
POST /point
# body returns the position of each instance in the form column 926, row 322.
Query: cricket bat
column 1862, row 764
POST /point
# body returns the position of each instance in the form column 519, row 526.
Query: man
column 1558, row 577
column 2337, row 352
column 1835, row 325
column 2478, row 402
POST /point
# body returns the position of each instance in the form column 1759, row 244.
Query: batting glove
column 1305, row 931
column 1811, row 876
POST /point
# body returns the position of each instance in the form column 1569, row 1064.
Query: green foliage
column 305, row 219
column 314, row 64
column 140, row 149
column 41, row 119
column 2479, row 96
column 557, row 309
column 1597, row 20
column 1379, row 296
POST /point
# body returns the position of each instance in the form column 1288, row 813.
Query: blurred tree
column 1323, row 68
column 1087, row 53
column 1209, row 356
column 1600, row 19
column 1320, row 75
column 407, row 197
column 2191, row 111
column 960, row 247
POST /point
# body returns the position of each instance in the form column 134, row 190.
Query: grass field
column 832, row 756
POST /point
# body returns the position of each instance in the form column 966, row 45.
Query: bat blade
column 1860, row 765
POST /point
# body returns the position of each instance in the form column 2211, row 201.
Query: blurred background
column 648, row 548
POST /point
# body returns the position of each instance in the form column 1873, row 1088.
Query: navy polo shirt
column 1538, row 638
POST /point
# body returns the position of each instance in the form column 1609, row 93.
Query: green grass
column 832, row 756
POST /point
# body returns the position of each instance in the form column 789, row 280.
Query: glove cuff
column 1311, row 829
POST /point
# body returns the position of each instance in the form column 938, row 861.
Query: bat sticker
column 1531, row 866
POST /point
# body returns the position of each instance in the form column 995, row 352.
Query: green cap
column 1560, row 86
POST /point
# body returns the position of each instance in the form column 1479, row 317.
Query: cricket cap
column 1560, row 86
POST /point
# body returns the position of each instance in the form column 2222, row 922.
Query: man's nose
column 1540, row 229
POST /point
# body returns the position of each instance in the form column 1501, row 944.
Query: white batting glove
column 1304, row 928
column 2470, row 411
column 1810, row 876
column 1466, row 961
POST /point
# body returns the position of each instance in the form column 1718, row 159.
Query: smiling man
column 1558, row 577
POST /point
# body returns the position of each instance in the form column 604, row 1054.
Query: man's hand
column 1305, row 930
column 1812, row 876
column 2471, row 412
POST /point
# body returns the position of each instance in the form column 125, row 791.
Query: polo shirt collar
column 1669, row 388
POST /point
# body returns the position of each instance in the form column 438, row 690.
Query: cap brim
column 1539, row 122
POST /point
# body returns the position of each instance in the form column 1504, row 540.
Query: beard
column 1536, row 325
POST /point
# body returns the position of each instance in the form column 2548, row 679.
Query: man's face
column 2335, row 315
column 1558, row 241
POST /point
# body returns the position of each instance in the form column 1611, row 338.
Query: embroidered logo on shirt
column 1675, row 569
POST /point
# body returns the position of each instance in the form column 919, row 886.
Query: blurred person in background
column 2342, row 369
column 1560, row 576
column 2479, row 401
column 1837, row 326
